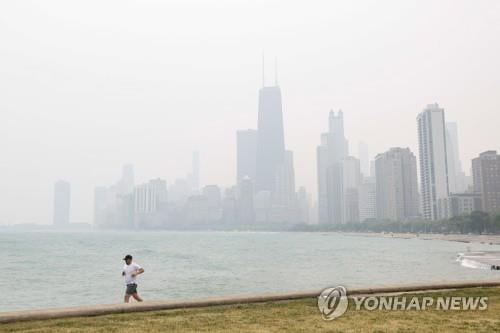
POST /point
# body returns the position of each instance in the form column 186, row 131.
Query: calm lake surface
column 54, row 269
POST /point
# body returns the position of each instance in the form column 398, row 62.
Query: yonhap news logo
column 334, row 302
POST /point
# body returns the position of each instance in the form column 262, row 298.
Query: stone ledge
column 97, row 310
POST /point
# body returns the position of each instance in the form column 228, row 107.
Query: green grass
column 291, row 316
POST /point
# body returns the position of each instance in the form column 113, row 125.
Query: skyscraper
column 214, row 202
column 271, row 140
column 246, row 152
column 245, row 203
column 62, row 195
column 229, row 206
column 330, row 155
column 352, row 179
column 486, row 175
column 284, row 194
column 433, row 159
column 126, row 183
column 396, row 184
column 364, row 158
column 367, row 193
column 456, row 175
column 284, row 197
column 150, row 203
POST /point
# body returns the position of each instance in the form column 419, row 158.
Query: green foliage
column 475, row 223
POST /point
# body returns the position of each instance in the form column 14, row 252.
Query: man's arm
column 138, row 271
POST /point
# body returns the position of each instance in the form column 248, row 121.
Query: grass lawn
column 291, row 316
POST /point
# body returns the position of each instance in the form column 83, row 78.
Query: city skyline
column 77, row 117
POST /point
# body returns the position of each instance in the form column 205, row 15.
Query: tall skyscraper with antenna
column 270, row 139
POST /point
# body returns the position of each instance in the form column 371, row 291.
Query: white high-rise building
column 433, row 159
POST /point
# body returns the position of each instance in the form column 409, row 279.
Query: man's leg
column 126, row 298
column 137, row 297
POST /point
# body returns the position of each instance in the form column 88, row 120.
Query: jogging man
column 129, row 273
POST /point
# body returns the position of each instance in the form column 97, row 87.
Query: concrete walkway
column 96, row 310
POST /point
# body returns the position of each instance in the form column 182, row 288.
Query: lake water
column 54, row 269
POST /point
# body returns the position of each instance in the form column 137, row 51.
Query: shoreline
column 482, row 239
column 99, row 310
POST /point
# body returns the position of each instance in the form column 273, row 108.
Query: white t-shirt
column 129, row 269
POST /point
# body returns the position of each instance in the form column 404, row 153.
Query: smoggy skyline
column 88, row 87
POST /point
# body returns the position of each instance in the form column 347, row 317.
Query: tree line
column 475, row 223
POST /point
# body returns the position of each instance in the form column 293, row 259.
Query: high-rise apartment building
column 486, row 177
column 433, row 159
column 396, row 183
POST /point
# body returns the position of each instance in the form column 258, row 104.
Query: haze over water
column 55, row 269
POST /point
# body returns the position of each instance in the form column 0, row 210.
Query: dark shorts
column 131, row 289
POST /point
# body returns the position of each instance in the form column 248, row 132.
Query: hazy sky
column 86, row 86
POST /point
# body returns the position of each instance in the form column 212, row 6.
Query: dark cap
column 128, row 256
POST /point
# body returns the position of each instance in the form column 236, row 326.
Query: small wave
column 469, row 263
column 479, row 260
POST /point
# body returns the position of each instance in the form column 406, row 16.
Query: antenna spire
column 263, row 77
column 276, row 71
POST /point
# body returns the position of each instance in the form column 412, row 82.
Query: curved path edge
column 97, row 310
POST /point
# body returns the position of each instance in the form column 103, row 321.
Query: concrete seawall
column 96, row 310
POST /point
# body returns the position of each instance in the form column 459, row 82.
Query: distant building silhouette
column 62, row 203
column 304, row 205
column 456, row 176
column 396, row 183
column 330, row 156
column 114, row 205
column 150, row 204
column 274, row 175
column 364, row 158
column 284, row 198
column 127, row 181
column 367, row 199
column 214, row 202
column 229, row 206
column 246, row 152
column 271, row 140
column 351, row 174
column 246, row 209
